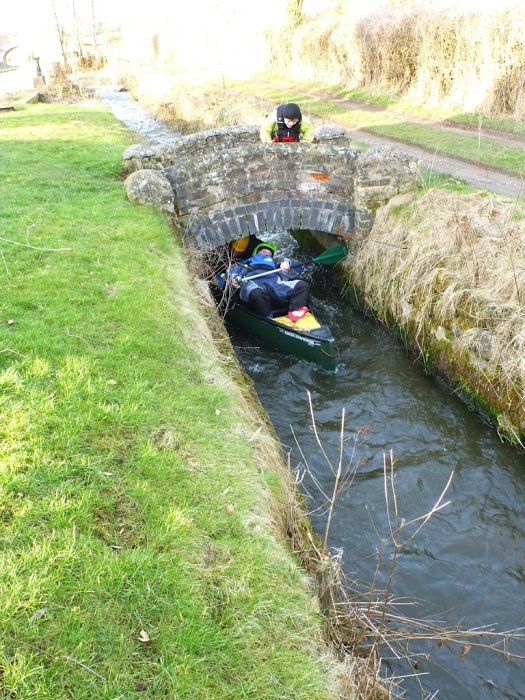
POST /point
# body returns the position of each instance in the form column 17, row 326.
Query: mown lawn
column 136, row 550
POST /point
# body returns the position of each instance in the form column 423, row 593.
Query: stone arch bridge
column 224, row 183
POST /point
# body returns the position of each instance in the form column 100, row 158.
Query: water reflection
column 466, row 566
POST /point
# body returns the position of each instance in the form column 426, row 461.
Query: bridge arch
column 227, row 184
column 14, row 55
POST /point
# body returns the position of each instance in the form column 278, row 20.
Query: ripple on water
column 465, row 567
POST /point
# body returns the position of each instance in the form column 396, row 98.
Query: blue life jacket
column 259, row 261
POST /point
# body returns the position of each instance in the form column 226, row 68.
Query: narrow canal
column 465, row 568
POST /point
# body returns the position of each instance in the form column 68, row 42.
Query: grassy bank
column 446, row 272
column 138, row 501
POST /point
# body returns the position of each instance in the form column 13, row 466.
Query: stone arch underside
column 274, row 214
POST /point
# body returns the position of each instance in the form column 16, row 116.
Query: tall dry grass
column 451, row 269
column 473, row 60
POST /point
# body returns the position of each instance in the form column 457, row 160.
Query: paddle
column 329, row 257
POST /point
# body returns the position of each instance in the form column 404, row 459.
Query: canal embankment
column 446, row 272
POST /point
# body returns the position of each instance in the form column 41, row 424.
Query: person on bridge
column 266, row 285
column 287, row 124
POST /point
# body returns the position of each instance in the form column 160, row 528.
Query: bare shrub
column 390, row 47
column 460, row 57
column 323, row 47
column 466, row 59
column 506, row 93
column 64, row 91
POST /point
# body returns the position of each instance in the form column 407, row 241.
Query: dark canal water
column 466, row 566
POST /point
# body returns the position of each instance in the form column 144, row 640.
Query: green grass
column 480, row 121
column 430, row 178
column 127, row 483
column 468, row 146
column 393, row 124
column 384, row 101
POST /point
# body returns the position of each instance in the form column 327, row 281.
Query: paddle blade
column 332, row 255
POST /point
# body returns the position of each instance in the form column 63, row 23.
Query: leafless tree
column 61, row 34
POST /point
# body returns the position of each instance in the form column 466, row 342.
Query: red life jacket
column 284, row 139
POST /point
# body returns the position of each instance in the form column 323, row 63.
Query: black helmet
column 291, row 111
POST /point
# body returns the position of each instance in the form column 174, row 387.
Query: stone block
column 224, row 228
column 314, row 218
column 305, row 217
column 150, row 187
column 243, row 226
column 287, row 218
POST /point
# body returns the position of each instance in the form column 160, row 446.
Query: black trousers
column 264, row 301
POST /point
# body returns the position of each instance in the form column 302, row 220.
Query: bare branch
column 365, row 621
column 27, row 245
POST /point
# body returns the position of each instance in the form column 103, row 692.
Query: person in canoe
column 242, row 248
column 266, row 285
column 236, row 251
column 286, row 123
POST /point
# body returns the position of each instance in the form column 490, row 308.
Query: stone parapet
column 226, row 183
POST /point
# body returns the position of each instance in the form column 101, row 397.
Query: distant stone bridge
column 224, row 183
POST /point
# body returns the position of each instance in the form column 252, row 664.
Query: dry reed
column 472, row 60
column 452, row 269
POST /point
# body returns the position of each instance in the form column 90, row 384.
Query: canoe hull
column 309, row 339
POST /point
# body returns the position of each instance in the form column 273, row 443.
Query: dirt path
column 480, row 176
column 505, row 138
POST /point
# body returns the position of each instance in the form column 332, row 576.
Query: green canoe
column 306, row 338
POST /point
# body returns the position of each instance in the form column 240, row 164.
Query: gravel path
column 480, row 176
